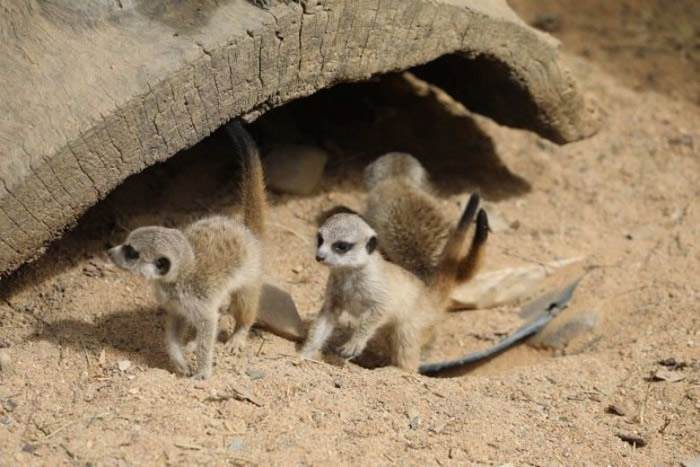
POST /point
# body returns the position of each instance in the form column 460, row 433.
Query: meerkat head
column 393, row 165
column 345, row 240
column 155, row 253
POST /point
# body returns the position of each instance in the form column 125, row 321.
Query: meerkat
column 403, row 210
column 213, row 263
column 381, row 294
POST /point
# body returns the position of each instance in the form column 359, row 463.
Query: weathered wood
column 96, row 90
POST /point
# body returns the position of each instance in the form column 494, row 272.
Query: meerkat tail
column 550, row 306
column 527, row 330
column 252, row 184
column 469, row 265
column 447, row 269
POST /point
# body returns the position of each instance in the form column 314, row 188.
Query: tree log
column 96, row 90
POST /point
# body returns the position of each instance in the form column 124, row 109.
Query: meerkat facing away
column 407, row 217
column 380, row 294
column 214, row 262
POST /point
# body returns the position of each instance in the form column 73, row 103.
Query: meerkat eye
column 319, row 240
column 130, row 252
column 163, row 265
column 342, row 247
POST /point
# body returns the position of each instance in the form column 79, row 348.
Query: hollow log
column 96, row 90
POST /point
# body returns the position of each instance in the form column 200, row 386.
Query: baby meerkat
column 407, row 217
column 380, row 294
column 213, row 263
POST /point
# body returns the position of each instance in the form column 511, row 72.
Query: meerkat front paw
column 351, row 349
column 308, row 353
column 182, row 368
column 236, row 344
column 202, row 375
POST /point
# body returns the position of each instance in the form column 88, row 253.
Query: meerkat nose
column 320, row 258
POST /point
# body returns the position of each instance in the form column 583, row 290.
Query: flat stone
column 279, row 315
column 565, row 328
column 294, row 169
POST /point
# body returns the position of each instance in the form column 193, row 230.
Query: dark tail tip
column 470, row 210
column 482, row 227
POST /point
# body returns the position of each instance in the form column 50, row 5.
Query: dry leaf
column 667, row 375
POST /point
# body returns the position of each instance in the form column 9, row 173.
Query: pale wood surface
column 96, row 90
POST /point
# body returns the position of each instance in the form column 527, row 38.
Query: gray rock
column 255, row 374
column 236, row 445
column 565, row 328
column 279, row 315
column 5, row 360
column 294, row 169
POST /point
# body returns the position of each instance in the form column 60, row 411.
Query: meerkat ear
column 371, row 244
column 162, row 265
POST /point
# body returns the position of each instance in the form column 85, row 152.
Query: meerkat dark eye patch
column 371, row 244
column 319, row 240
column 130, row 252
column 342, row 247
column 162, row 265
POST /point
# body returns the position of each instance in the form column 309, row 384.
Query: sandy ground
column 627, row 199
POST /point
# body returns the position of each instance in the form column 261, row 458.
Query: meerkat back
column 402, row 209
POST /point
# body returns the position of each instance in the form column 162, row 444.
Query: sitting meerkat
column 407, row 217
column 213, row 263
column 381, row 294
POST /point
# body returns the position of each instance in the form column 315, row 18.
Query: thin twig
column 643, row 410
column 261, row 346
column 87, row 356
column 191, row 447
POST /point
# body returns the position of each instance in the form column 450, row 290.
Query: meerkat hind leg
column 406, row 347
column 244, row 307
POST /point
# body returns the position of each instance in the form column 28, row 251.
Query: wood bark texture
column 96, row 90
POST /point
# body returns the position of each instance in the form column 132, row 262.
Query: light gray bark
column 96, row 90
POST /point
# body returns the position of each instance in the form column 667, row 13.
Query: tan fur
column 379, row 294
column 409, row 220
column 214, row 262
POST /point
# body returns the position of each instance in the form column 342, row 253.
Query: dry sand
column 627, row 199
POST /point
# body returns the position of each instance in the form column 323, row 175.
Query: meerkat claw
column 351, row 350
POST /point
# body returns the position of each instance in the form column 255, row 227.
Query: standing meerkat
column 213, row 263
column 380, row 294
column 406, row 215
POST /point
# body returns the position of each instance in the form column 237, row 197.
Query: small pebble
column 316, row 417
column 338, row 382
column 9, row 405
column 236, row 445
column 616, row 409
column 30, row 448
column 413, row 417
column 255, row 374
column 123, row 365
column 297, row 269
column 5, row 359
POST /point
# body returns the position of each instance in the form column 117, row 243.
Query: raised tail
column 448, row 268
column 252, row 184
column 469, row 265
